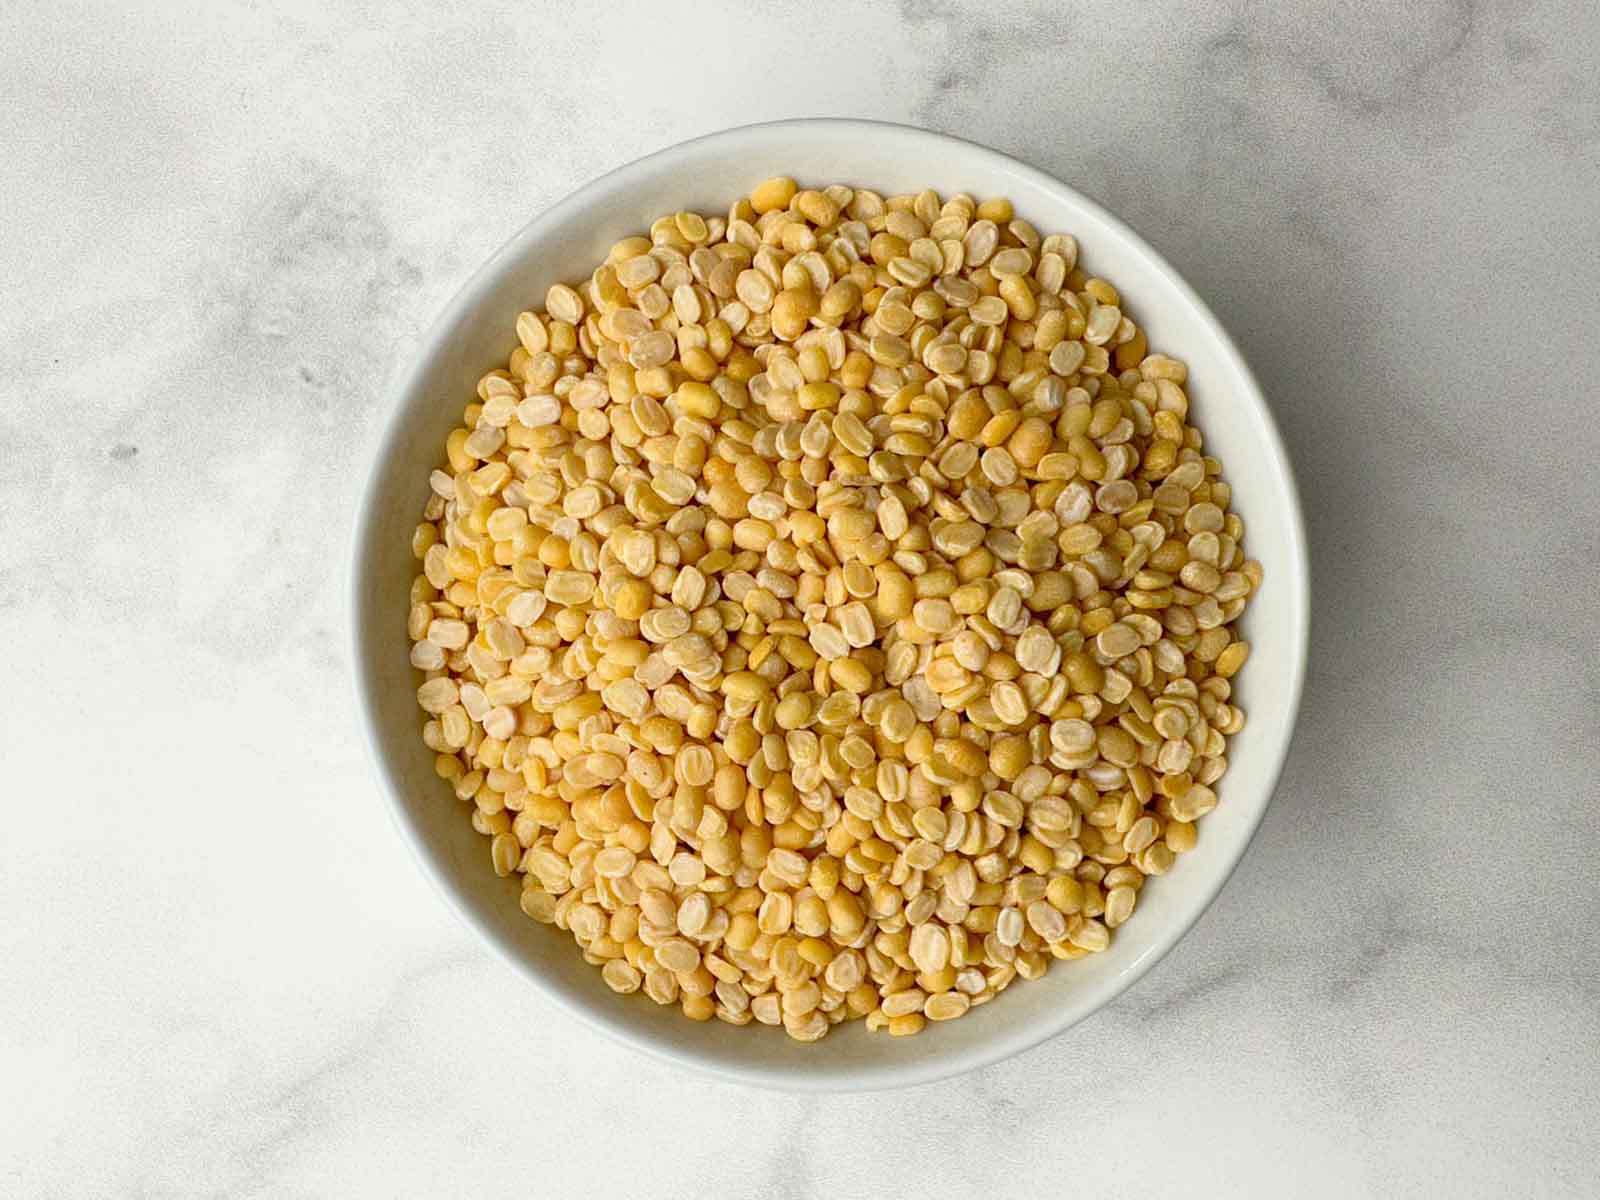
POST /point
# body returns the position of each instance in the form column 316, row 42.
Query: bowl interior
column 476, row 334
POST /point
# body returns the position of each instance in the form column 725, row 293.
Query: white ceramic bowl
column 475, row 333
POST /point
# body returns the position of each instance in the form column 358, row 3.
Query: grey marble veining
column 220, row 973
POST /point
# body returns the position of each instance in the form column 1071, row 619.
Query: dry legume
column 828, row 610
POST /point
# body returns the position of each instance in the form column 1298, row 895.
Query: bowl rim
column 421, row 353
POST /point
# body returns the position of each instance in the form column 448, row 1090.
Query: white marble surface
column 220, row 972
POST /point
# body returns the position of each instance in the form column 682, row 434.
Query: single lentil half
column 828, row 611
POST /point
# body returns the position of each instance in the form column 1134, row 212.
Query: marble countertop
column 220, row 971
